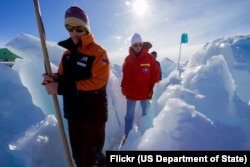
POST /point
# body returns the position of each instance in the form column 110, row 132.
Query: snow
column 196, row 108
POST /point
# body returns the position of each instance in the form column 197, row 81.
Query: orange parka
column 140, row 73
column 83, row 74
column 100, row 66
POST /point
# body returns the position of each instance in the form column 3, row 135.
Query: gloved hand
column 150, row 94
column 50, row 83
column 123, row 92
column 49, row 78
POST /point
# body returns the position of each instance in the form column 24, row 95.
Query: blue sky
column 113, row 22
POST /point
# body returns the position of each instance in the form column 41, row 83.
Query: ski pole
column 49, row 72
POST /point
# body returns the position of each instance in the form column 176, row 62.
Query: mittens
column 150, row 94
column 123, row 92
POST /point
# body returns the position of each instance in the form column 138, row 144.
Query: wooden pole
column 49, row 72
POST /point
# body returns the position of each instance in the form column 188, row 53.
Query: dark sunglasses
column 71, row 28
column 137, row 45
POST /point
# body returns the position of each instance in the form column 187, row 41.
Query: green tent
column 7, row 55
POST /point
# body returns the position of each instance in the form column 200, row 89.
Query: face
column 137, row 47
column 75, row 32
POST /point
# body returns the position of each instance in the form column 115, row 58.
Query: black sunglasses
column 71, row 28
column 137, row 45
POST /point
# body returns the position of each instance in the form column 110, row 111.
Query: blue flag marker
column 184, row 38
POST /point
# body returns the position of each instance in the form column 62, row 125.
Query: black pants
column 87, row 141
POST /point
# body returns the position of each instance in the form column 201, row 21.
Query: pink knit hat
column 75, row 15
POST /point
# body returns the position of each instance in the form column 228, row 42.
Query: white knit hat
column 136, row 38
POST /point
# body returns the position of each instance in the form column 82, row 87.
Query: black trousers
column 87, row 141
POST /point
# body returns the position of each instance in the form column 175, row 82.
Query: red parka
column 140, row 73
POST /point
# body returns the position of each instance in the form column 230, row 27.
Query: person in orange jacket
column 81, row 79
column 140, row 73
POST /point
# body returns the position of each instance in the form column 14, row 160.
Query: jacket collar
column 86, row 40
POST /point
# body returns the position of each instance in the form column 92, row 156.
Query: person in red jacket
column 140, row 73
column 81, row 79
